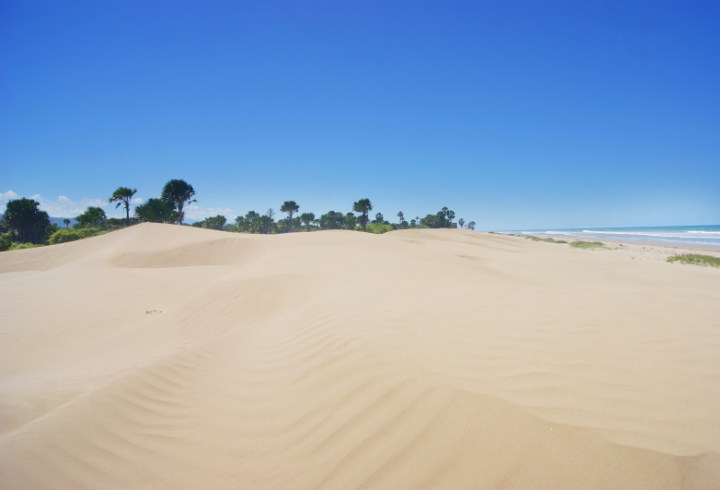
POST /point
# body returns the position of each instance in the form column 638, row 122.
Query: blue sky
column 517, row 115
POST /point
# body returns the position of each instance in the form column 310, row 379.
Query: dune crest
column 166, row 356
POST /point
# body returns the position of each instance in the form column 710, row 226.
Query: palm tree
column 122, row 196
column 306, row 218
column 401, row 217
column 363, row 206
column 67, row 222
column 289, row 207
column 178, row 193
column 461, row 222
column 471, row 225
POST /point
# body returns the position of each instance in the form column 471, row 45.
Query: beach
column 163, row 356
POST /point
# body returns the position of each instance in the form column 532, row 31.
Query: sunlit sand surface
column 173, row 357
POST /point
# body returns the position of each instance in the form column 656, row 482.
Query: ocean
column 708, row 235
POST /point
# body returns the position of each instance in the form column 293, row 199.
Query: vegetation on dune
column 363, row 206
column 24, row 224
column 289, row 207
column 5, row 241
column 379, row 228
column 92, row 218
column 212, row 223
column 26, row 221
column 696, row 259
column 441, row 219
column 178, row 193
column 306, row 219
column 589, row 245
column 545, row 239
column 69, row 235
column 122, row 197
column 156, row 211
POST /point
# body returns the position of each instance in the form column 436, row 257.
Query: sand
column 173, row 357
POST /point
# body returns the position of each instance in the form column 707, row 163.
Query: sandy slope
column 161, row 356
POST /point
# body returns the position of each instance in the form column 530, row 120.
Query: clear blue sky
column 515, row 114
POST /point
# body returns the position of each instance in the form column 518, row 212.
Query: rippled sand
column 165, row 356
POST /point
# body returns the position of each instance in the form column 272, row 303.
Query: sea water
column 708, row 235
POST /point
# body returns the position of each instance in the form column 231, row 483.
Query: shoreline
column 644, row 249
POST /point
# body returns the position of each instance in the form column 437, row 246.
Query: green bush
column 69, row 235
column 588, row 245
column 21, row 246
column 5, row 241
column 88, row 232
column 543, row 239
column 62, row 236
column 696, row 259
column 378, row 228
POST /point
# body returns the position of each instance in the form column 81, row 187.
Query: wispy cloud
column 64, row 207
column 197, row 213
column 5, row 197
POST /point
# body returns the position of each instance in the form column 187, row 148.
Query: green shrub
column 89, row 231
column 21, row 246
column 378, row 228
column 69, row 235
column 543, row 239
column 696, row 259
column 65, row 235
column 5, row 241
column 589, row 245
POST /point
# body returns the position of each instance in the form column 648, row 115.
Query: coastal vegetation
column 696, row 259
column 25, row 225
column 543, row 239
column 589, row 245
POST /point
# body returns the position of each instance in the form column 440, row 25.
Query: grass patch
column 24, row 245
column 589, row 245
column 696, row 259
column 378, row 228
column 543, row 239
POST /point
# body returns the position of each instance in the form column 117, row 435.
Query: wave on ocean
column 676, row 235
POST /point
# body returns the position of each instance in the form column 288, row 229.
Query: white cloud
column 5, row 197
column 63, row 206
column 198, row 213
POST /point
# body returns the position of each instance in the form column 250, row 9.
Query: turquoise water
column 708, row 235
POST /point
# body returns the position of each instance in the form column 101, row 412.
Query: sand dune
column 164, row 356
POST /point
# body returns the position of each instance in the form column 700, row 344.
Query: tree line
column 25, row 224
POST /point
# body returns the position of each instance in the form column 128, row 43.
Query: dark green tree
column 350, row 221
column 471, row 225
column 214, row 222
column 155, row 211
column 23, row 217
column 461, row 222
column 441, row 219
column 289, row 207
column 67, row 222
column 332, row 220
column 178, row 193
column 363, row 206
column 379, row 219
column 251, row 221
column 264, row 224
column 307, row 218
column 92, row 217
column 401, row 218
column 122, row 196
